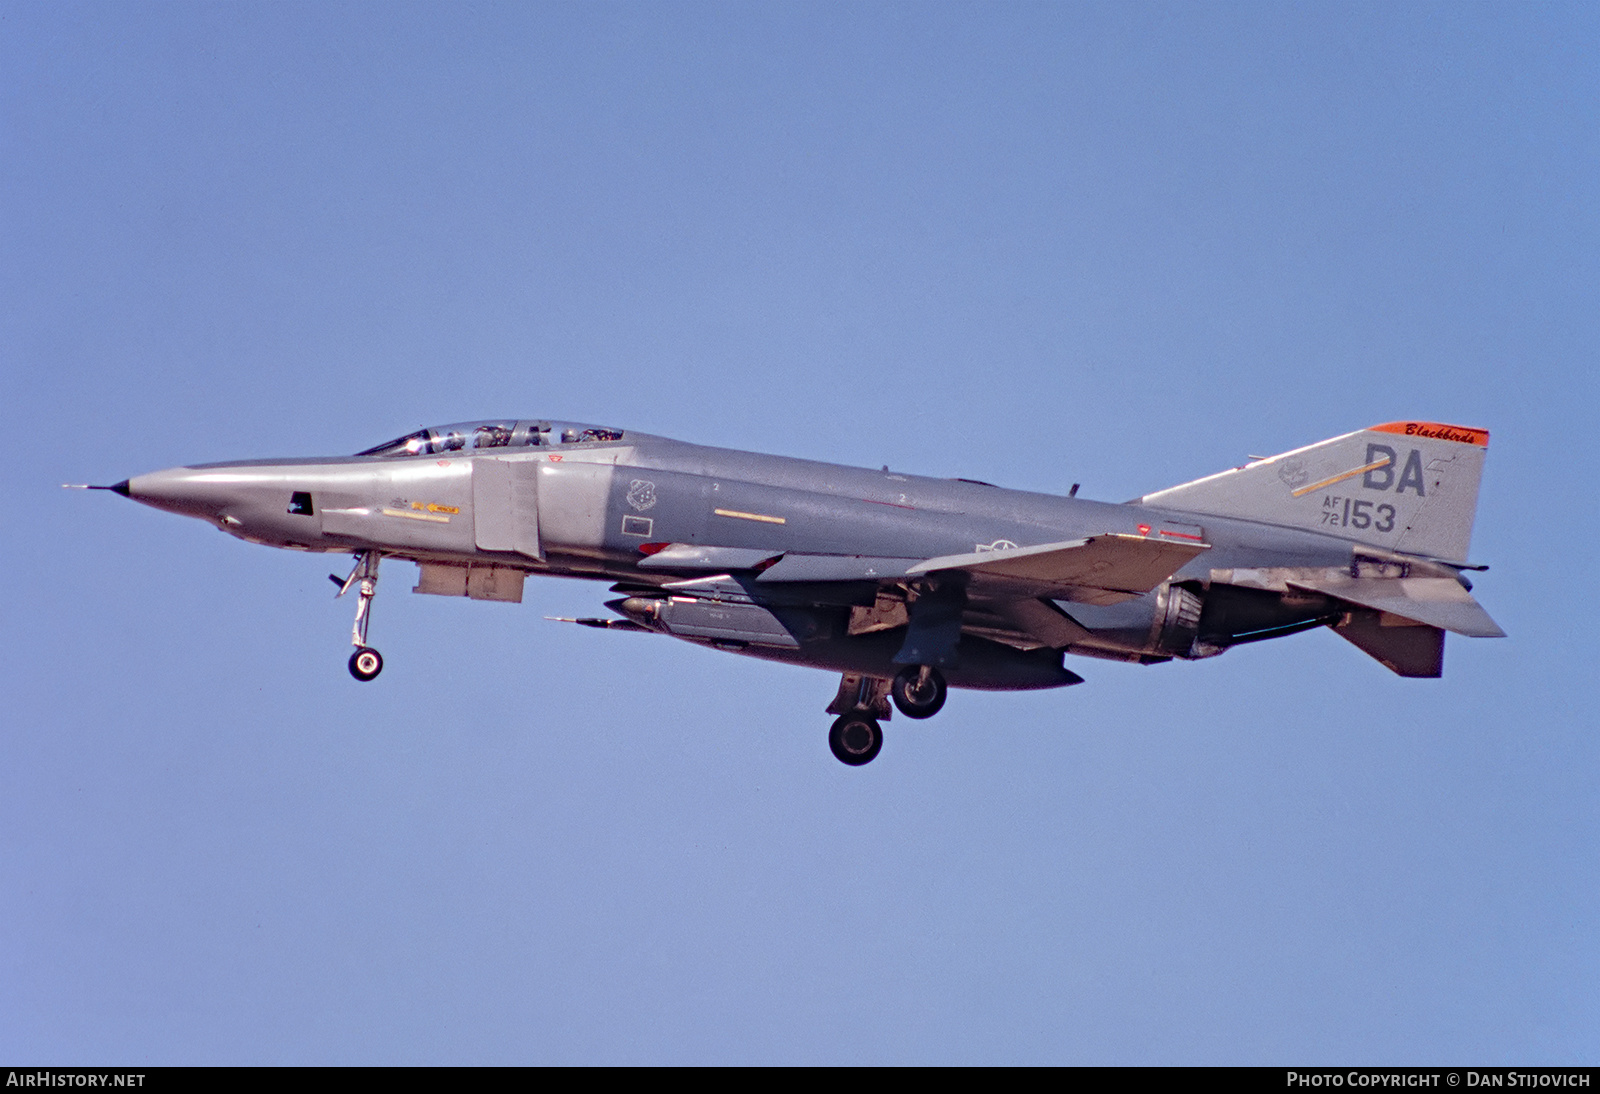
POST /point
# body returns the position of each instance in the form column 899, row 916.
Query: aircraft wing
column 1435, row 601
column 1104, row 569
column 1004, row 595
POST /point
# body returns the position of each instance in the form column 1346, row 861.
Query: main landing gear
column 918, row 690
column 366, row 662
column 863, row 702
column 856, row 739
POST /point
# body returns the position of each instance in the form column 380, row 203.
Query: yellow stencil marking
column 763, row 518
column 416, row 516
column 1314, row 487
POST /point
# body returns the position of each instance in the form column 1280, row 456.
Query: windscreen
column 478, row 436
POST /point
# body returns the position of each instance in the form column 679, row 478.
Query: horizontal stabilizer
column 1412, row 651
column 1105, row 569
column 1435, row 601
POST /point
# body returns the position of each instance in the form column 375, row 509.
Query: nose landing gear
column 366, row 662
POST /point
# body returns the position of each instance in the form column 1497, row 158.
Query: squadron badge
column 1294, row 474
column 641, row 494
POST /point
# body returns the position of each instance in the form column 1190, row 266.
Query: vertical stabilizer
column 1403, row 486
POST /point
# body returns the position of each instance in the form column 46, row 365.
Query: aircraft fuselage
column 879, row 575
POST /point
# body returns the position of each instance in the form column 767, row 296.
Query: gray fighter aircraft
column 903, row 584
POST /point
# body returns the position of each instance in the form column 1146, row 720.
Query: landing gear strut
column 918, row 690
column 366, row 662
column 857, row 738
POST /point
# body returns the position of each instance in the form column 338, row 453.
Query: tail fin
column 1403, row 486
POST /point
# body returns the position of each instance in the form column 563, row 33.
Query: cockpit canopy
column 473, row 436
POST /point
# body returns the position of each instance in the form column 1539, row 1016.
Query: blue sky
column 1122, row 245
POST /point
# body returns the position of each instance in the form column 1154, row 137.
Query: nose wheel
column 366, row 662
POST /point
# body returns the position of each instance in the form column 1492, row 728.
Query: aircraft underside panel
column 478, row 581
column 982, row 665
column 934, row 624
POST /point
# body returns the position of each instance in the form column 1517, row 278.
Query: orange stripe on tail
column 1458, row 433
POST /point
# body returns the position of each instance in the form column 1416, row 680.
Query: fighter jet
column 904, row 585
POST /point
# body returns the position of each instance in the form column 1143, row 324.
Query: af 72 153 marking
column 1357, row 513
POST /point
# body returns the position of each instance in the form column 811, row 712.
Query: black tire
column 914, row 702
column 366, row 663
column 856, row 739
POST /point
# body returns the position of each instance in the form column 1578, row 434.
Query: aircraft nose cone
column 185, row 490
